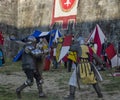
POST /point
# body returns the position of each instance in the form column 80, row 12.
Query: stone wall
column 8, row 24
column 22, row 17
column 34, row 14
column 102, row 12
column 8, row 15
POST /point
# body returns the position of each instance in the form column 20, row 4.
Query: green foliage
column 10, row 67
column 113, row 84
column 5, row 93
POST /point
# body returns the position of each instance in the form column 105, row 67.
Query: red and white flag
column 64, row 11
column 98, row 36
column 65, row 47
column 112, row 55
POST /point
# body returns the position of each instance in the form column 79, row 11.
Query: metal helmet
column 31, row 39
column 82, row 42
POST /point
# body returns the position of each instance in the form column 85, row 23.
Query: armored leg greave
column 97, row 89
column 71, row 96
column 40, row 90
column 19, row 89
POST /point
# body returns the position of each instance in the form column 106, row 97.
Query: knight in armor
column 30, row 56
column 83, row 71
column 72, row 54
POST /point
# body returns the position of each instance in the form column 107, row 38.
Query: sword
column 99, row 77
column 101, row 62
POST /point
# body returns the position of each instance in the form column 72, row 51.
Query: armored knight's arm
column 98, row 59
column 32, row 51
column 37, row 52
column 41, row 49
column 28, row 49
column 75, row 47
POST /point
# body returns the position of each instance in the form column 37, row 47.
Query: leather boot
column 40, row 90
column 71, row 96
column 19, row 89
column 97, row 89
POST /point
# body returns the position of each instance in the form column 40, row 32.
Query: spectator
column 2, row 60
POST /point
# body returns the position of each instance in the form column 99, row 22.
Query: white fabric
column 73, row 80
column 60, row 13
column 101, row 34
column 115, row 61
column 43, row 34
column 63, row 52
column 95, row 47
column 73, row 65
column 56, row 36
column 54, row 52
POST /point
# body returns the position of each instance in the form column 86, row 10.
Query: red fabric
column 66, row 15
column 111, row 52
column 67, row 40
column 98, row 42
column 51, row 53
column 1, row 39
column 65, row 59
column 91, row 53
column 47, row 64
column 116, row 74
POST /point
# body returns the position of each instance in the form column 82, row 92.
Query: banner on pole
column 64, row 12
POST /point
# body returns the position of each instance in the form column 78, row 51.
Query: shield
column 59, row 47
column 63, row 47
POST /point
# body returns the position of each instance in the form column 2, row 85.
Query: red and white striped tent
column 98, row 36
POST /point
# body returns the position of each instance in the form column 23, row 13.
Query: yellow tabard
column 72, row 56
column 86, row 74
column 84, row 51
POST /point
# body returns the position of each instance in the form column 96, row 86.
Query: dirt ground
column 52, row 86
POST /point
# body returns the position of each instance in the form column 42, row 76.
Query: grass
column 113, row 84
column 6, row 91
column 109, row 84
column 7, row 94
column 10, row 67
